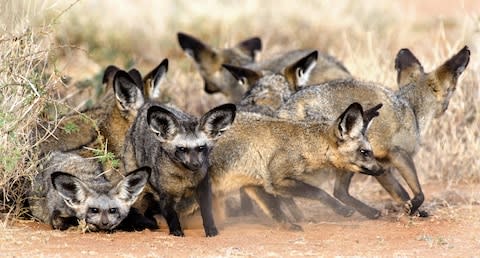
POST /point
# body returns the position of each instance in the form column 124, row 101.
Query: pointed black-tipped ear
column 351, row 122
column 192, row 46
column 244, row 76
column 298, row 73
column 130, row 187
column 154, row 79
column 71, row 189
column 109, row 73
column 137, row 77
column 408, row 67
column 162, row 122
column 128, row 95
column 457, row 63
column 251, row 46
column 218, row 120
column 368, row 116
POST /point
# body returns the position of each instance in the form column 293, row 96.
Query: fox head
column 271, row 90
column 441, row 83
column 350, row 149
column 188, row 141
column 102, row 207
column 209, row 62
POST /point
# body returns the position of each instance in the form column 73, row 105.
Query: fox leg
column 293, row 208
column 342, row 183
column 393, row 187
column 405, row 165
column 246, row 206
column 204, row 198
column 270, row 205
column 293, row 187
column 171, row 216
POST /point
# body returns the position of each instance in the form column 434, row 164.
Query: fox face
column 441, row 82
column 351, row 150
column 101, row 206
column 188, row 142
column 209, row 62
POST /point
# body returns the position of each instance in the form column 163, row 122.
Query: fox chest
column 178, row 184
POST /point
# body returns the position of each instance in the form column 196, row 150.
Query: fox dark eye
column 93, row 210
column 112, row 210
column 181, row 149
column 366, row 153
column 201, row 148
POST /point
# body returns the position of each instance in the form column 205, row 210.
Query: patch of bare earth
column 452, row 230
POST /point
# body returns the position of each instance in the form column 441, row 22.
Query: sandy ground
column 452, row 230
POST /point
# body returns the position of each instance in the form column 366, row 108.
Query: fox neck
column 422, row 101
column 318, row 147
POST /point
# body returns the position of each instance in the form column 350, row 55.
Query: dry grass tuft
column 25, row 87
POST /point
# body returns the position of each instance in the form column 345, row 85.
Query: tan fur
column 406, row 114
column 276, row 156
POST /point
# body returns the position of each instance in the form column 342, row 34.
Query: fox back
column 70, row 189
column 406, row 113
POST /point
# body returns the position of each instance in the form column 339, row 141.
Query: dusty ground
column 452, row 230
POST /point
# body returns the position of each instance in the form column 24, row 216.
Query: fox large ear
column 250, row 46
column 218, row 120
column 368, row 116
column 73, row 191
column 128, row 94
column 408, row 67
column 108, row 75
column 154, row 79
column 351, row 123
column 453, row 68
column 244, row 76
column 298, row 74
column 162, row 122
column 195, row 48
column 137, row 78
column 130, row 187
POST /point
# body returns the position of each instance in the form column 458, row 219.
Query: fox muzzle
column 372, row 172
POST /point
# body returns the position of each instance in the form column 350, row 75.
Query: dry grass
column 365, row 35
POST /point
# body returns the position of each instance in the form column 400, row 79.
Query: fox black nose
column 194, row 166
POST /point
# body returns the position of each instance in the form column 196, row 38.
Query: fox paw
column 177, row 232
column 423, row 214
column 211, row 232
column 373, row 214
column 345, row 211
